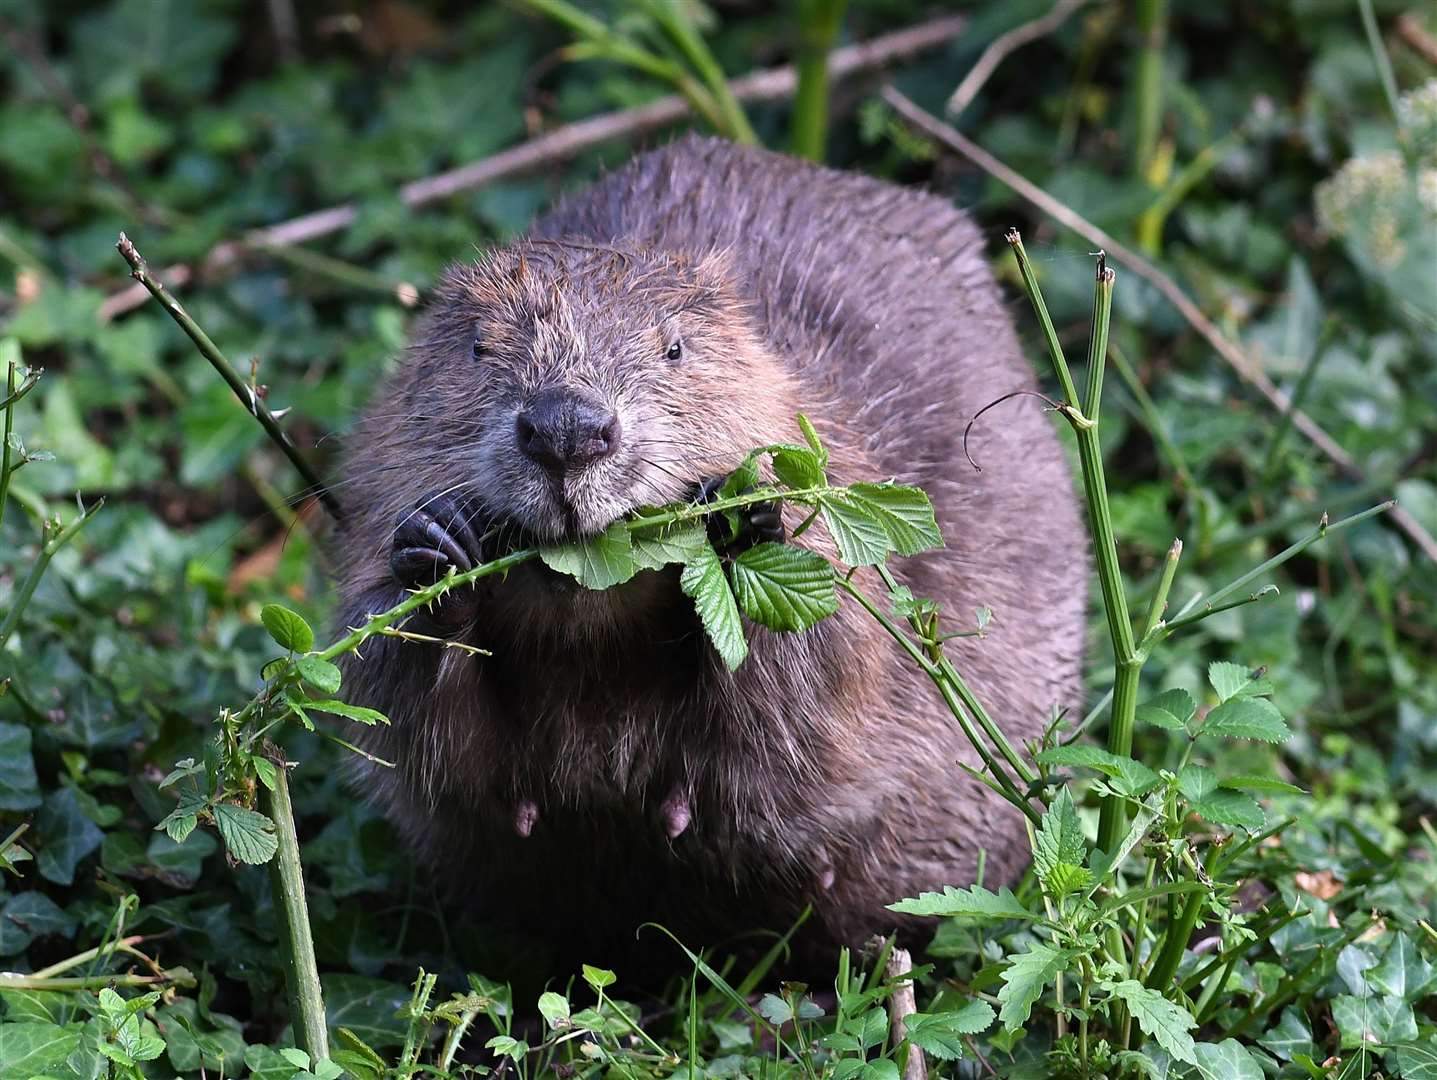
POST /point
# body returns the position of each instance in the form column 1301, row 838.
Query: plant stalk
column 818, row 25
column 1148, row 84
column 301, row 975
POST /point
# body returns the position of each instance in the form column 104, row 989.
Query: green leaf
column 1227, row 679
column 19, row 787
column 860, row 539
column 1246, row 718
column 287, row 628
column 598, row 978
column 704, row 581
column 554, row 1008
column 63, row 836
column 774, row 1009
column 1159, row 1018
column 676, row 544
column 1261, row 783
column 1416, row 1061
column 596, row 562
column 1171, row 709
column 1137, row 778
column 27, row 916
column 783, row 587
column 904, row 513
column 973, row 903
column 810, row 436
column 941, row 1034
column 1227, row 1060
column 34, row 1049
column 1024, row 980
column 358, row 713
column 1403, row 972
column 1200, row 786
column 248, row 835
column 1371, row 1021
column 507, row 1046
column 1059, row 841
column 320, row 674
column 798, row 467
column 1290, row 1036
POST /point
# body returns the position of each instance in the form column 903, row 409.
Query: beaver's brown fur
column 651, row 782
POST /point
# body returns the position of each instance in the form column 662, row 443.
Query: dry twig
column 1002, row 46
column 1245, row 369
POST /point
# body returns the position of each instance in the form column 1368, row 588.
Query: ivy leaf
column 1290, row 1036
column 662, row 547
column 861, row 540
column 1246, row 718
column 1227, row 1060
column 1417, row 1061
column 358, row 713
column 1025, row 979
column 941, row 1034
column 798, row 467
column 1159, row 1018
column 288, row 628
column 1172, row 709
column 596, row 562
column 1403, row 972
column 1137, row 778
column 320, row 674
column 1373, row 1021
column 783, row 587
column 973, row 903
column 19, row 786
column 703, row 579
column 904, row 513
column 1059, row 842
column 248, row 835
column 63, row 836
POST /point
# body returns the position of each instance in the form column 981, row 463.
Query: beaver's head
column 566, row 384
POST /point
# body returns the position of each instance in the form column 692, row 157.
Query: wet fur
column 823, row 771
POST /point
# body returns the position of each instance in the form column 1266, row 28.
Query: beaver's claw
column 757, row 522
column 437, row 534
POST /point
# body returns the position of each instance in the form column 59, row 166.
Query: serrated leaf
column 248, row 835
column 1137, row 778
column 183, row 768
column 1227, row 678
column 358, row 713
column 703, row 579
column 1171, row 709
column 663, row 547
column 1059, row 840
column 1066, row 878
column 973, row 903
column 1261, row 783
column 783, row 587
column 595, row 562
column 179, row 828
column 1159, row 1018
column 1246, row 718
column 1024, row 980
column 941, row 1034
column 798, row 467
column 320, row 674
column 288, row 628
column 810, row 436
column 904, row 513
column 1231, row 808
column 860, row 539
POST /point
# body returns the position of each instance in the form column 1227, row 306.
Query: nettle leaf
column 358, row 713
column 288, row 628
column 798, row 467
column 1368, row 1021
column 973, row 903
column 703, row 579
column 1291, row 1036
column 320, row 674
column 1025, row 979
column 904, row 513
column 941, row 1034
column 596, row 562
column 1159, row 1018
column 1137, row 778
column 1262, row 783
column 1231, row 680
column 783, row 587
column 1207, row 798
column 1059, row 842
column 1246, row 718
column 248, row 835
column 679, row 544
column 1172, row 709
column 861, row 540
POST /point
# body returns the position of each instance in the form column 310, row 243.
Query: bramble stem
column 301, row 970
column 10, row 398
column 140, row 271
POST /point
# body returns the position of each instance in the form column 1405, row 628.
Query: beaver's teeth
column 676, row 814
column 525, row 814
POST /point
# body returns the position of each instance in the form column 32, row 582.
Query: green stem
column 306, row 1000
column 819, row 22
column 251, row 400
column 1175, row 943
column 1379, row 54
column 48, row 546
column 125, row 945
column 680, row 31
column 10, row 398
column 80, row 982
column 1148, row 84
column 1298, row 397
column 1151, row 221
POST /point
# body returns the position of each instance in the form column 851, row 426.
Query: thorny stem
column 10, row 397
column 140, row 271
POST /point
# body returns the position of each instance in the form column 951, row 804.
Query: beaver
column 598, row 766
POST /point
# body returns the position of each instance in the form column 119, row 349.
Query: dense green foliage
column 1265, row 155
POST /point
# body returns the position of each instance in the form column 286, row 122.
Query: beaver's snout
column 564, row 430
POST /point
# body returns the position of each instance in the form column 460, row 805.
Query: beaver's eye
column 676, row 350
column 479, row 348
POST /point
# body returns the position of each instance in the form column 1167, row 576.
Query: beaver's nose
column 563, row 430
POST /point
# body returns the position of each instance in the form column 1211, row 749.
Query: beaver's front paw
column 438, row 533
column 757, row 522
